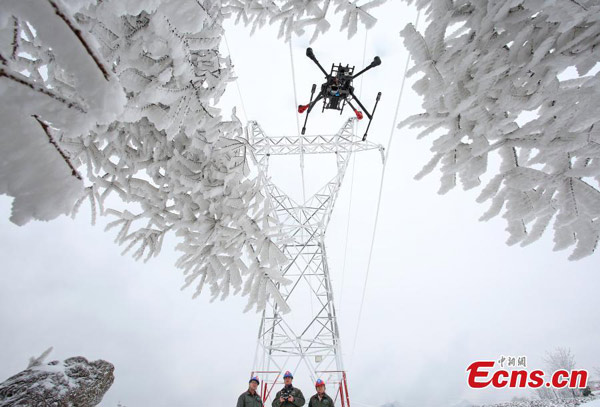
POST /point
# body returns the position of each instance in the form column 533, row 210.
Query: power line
column 236, row 81
column 301, row 141
column 351, row 185
column 298, row 122
column 387, row 153
column 294, row 83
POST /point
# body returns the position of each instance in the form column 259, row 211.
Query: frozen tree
column 560, row 359
column 172, row 157
column 126, row 92
column 113, row 102
column 511, row 90
column 296, row 15
column 50, row 78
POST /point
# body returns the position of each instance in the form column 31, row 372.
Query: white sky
column 444, row 290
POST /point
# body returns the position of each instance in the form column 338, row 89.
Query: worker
column 321, row 399
column 289, row 396
column 250, row 398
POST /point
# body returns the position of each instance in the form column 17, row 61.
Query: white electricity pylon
column 287, row 341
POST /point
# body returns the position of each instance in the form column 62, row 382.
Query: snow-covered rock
column 72, row 382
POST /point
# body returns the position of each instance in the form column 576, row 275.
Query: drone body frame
column 338, row 91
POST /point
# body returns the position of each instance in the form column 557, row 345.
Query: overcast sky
column 444, row 289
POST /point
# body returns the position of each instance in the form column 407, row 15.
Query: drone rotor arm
column 376, row 62
column 311, row 55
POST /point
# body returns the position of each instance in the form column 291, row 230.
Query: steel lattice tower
column 287, row 341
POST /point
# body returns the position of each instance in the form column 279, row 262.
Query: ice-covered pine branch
column 171, row 154
column 516, row 82
column 297, row 15
column 161, row 146
column 52, row 86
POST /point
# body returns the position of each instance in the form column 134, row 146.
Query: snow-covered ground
column 588, row 401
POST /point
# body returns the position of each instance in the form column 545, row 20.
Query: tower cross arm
column 343, row 142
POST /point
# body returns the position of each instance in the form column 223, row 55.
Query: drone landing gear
column 309, row 106
column 372, row 114
column 369, row 115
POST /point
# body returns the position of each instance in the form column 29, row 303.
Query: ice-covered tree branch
column 45, row 73
column 519, row 79
column 294, row 17
column 126, row 90
column 54, row 144
column 181, row 167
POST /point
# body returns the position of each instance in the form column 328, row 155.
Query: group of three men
column 289, row 396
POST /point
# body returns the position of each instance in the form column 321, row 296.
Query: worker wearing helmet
column 321, row 399
column 250, row 398
column 289, row 396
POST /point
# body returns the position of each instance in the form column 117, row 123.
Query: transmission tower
column 307, row 337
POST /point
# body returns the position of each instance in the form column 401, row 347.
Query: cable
column 387, row 153
column 294, row 83
column 301, row 145
column 298, row 123
column 236, row 81
column 351, row 185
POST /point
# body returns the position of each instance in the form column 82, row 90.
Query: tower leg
column 306, row 340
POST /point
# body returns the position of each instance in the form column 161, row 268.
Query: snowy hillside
column 586, row 402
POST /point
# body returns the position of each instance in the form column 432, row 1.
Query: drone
column 338, row 91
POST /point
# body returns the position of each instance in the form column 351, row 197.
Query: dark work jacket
column 326, row 401
column 248, row 399
column 298, row 399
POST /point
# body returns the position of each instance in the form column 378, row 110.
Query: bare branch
column 81, row 39
column 15, row 41
column 23, row 80
column 46, row 129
